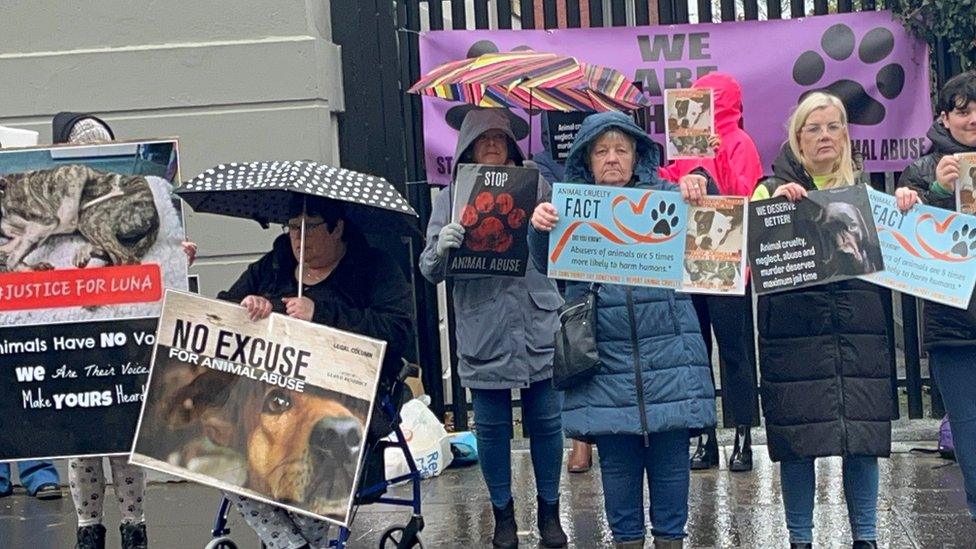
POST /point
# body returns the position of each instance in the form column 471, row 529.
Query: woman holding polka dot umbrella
column 320, row 270
column 264, row 192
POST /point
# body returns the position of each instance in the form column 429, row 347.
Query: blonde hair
column 842, row 173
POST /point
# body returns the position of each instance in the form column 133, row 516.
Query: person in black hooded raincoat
column 824, row 362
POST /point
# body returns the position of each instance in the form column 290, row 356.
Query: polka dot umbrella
column 263, row 191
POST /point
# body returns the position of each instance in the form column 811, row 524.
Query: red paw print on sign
column 490, row 222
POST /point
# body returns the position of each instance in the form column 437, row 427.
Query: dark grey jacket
column 505, row 326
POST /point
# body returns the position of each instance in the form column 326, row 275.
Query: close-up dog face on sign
column 301, row 448
column 688, row 113
column 712, row 229
column 845, row 239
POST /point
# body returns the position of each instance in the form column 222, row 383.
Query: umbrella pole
column 530, row 123
column 301, row 251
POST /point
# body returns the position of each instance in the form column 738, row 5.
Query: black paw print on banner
column 838, row 44
column 964, row 241
column 455, row 115
column 665, row 219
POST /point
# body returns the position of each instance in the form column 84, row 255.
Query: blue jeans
column 798, row 480
column 623, row 461
column 542, row 419
column 955, row 372
column 33, row 475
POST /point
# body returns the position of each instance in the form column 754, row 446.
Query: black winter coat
column 823, row 350
column 367, row 294
column 944, row 326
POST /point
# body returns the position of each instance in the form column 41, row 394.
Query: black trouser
column 731, row 319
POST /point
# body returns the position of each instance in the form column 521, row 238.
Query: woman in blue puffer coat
column 655, row 384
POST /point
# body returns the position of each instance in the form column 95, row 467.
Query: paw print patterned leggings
column 281, row 529
column 87, row 481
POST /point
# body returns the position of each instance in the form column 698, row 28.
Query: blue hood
column 647, row 157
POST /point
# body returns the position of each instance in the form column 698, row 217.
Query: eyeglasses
column 814, row 130
column 296, row 228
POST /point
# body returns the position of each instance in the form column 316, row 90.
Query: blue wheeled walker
column 372, row 484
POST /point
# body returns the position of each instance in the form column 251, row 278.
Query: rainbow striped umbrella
column 532, row 80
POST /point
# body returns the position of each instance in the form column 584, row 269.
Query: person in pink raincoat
column 734, row 171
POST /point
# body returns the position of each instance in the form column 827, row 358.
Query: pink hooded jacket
column 736, row 167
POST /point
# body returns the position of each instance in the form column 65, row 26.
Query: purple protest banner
column 867, row 58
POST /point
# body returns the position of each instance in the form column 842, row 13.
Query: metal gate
column 388, row 33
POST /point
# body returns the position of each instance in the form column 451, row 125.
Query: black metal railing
column 414, row 15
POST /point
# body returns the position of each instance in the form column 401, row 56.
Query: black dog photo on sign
column 848, row 238
column 493, row 204
column 826, row 237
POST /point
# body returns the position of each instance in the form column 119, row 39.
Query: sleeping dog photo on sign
column 115, row 214
column 87, row 207
column 690, row 122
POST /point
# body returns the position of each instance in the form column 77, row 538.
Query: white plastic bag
column 428, row 441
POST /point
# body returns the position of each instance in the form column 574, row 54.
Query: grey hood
column 478, row 122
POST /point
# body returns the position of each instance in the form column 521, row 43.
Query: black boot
column 706, row 455
column 506, row 531
column 741, row 459
column 91, row 537
column 134, row 536
column 862, row 544
column 550, row 530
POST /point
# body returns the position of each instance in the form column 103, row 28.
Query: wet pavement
column 922, row 505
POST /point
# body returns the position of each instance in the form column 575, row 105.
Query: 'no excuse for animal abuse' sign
column 276, row 410
column 89, row 240
column 645, row 237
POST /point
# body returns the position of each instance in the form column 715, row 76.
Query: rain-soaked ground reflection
column 922, row 505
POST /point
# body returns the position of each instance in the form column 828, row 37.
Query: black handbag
column 576, row 358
